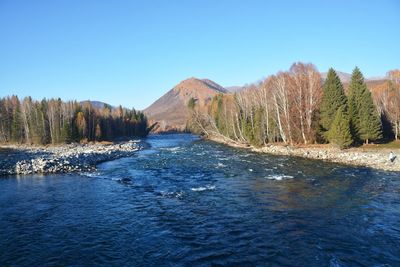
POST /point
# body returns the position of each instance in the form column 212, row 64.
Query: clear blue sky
column 132, row 52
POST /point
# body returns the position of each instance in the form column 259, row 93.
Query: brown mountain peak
column 194, row 83
column 171, row 111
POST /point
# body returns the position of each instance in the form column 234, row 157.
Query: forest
column 53, row 121
column 298, row 106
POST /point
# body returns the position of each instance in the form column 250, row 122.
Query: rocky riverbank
column 366, row 157
column 61, row 159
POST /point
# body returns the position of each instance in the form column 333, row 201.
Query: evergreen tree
column 247, row 130
column 364, row 120
column 66, row 133
column 339, row 132
column 333, row 98
column 16, row 130
column 356, row 90
column 35, row 123
column 191, row 103
column 218, row 114
column 45, row 123
column 370, row 127
column 74, row 133
column 6, row 116
column 98, row 132
column 259, row 135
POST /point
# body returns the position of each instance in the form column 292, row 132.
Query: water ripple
column 188, row 202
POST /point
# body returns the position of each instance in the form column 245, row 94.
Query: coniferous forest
column 54, row 121
column 300, row 107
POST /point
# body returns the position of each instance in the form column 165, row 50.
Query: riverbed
column 185, row 201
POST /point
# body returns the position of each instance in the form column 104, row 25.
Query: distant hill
column 343, row 76
column 95, row 104
column 171, row 111
column 346, row 77
column 371, row 84
column 234, row 89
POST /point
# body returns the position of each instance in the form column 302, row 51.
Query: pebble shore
column 372, row 158
column 61, row 159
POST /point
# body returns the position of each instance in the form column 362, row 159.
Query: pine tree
column 364, row 120
column 17, row 129
column 339, row 132
column 219, row 116
column 259, row 136
column 356, row 90
column 74, row 133
column 370, row 127
column 46, row 138
column 247, row 129
column 66, row 134
column 6, row 115
column 98, row 132
column 333, row 98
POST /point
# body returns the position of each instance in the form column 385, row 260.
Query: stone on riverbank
column 62, row 159
column 376, row 158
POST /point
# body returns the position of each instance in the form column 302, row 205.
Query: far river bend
column 189, row 202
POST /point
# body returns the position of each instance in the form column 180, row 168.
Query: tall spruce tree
column 370, row 122
column 356, row 90
column 16, row 127
column 259, row 135
column 333, row 98
column 66, row 133
column 364, row 120
column 339, row 132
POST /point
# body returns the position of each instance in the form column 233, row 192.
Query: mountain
column 234, row 89
column 171, row 112
column 343, row 76
column 95, row 104
column 346, row 77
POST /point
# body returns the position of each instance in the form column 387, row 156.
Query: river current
column 183, row 201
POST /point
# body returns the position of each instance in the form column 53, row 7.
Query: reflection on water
column 191, row 202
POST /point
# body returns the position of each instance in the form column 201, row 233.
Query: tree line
column 298, row 107
column 52, row 121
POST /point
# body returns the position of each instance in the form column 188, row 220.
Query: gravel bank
column 61, row 159
column 373, row 158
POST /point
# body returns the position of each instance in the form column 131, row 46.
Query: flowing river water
column 186, row 202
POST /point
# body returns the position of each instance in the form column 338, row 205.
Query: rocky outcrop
column 61, row 159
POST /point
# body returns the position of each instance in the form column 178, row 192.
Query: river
column 185, row 202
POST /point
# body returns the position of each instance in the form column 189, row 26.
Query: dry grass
column 391, row 145
column 395, row 145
